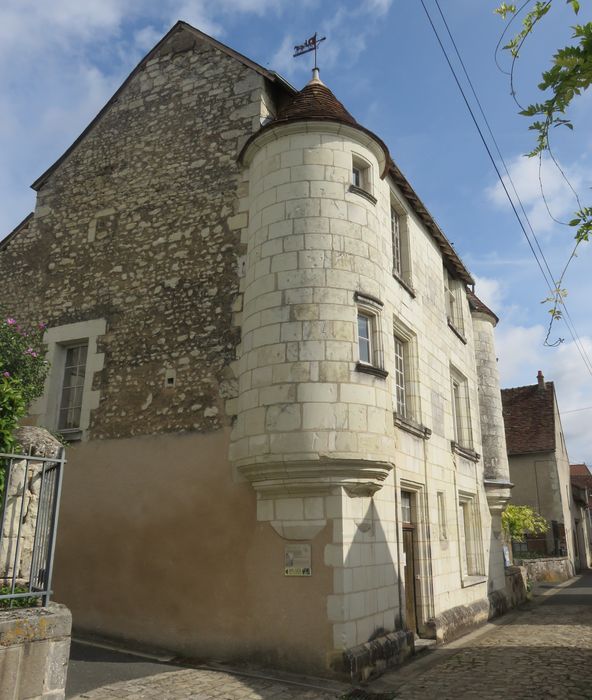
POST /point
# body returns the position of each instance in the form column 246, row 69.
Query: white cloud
column 491, row 292
column 348, row 31
column 521, row 354
column 524, row 172
column 60, row 62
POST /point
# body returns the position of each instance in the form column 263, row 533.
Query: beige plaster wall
column 157, row 544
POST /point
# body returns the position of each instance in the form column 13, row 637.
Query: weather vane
column 309, row 45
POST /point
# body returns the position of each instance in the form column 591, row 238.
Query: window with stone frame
column 405, row 401
column 361, row 174
column 453, row 299
column 369, row 336
column 68, row 396
column 400, row 243
column 461, row 411
column 469, row 531
column 72, row 387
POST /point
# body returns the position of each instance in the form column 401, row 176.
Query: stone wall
column 34, row 651
column 137, row 226
column 548, row 570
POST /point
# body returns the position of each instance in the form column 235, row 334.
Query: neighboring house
column 581, row 483
column 281, row 396
column 539, row 465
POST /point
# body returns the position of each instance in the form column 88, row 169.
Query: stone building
column 280, row 391
column 581, row 484
column 539, row 465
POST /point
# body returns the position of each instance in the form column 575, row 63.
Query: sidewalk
column 543, row 650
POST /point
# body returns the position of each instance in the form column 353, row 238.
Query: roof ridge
column 180, row 24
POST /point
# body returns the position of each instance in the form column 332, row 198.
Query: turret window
column 369, row 336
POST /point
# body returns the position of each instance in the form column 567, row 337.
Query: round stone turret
column 310, row 415
column 493, row 437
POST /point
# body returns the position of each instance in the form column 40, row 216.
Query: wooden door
column 409, row 577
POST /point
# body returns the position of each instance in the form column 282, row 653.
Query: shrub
column 518, row 521
column 23, row 369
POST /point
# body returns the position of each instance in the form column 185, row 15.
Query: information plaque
column 297, row 560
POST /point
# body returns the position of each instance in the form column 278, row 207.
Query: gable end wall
column 137, row 226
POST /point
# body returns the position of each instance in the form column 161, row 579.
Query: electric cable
column 548, row 280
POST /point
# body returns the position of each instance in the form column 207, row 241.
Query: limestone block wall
column 311, row 246
column 34, row 651
column 493, row 436
column 302, row 405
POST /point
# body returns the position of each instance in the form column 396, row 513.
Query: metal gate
column 28, row 526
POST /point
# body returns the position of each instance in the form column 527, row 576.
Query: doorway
column 409, row 576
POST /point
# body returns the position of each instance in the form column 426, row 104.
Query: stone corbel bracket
column 358, row 478
column 498, row 492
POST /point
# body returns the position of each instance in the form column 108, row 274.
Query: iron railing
column 28, row 527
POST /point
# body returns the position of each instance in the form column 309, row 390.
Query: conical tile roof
column 314, row 101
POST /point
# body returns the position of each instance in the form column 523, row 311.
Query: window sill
column 456, row 332
column 410, row 426
column 465, row 452
column 370, row 369
column 406, row 286
column 467, row 581
column 73, row 435
column 363, row 193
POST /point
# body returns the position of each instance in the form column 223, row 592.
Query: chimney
column 541, row 381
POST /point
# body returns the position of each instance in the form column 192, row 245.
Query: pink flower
column 11, row 321
column 6, row 374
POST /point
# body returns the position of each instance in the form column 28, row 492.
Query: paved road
column 540, row 653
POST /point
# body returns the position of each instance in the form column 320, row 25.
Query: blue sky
column 61, row 60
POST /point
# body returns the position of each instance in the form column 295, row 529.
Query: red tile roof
column 529, row 418
column 580, row 470
column 581, row 476
column 314, row 101
column 476, row 304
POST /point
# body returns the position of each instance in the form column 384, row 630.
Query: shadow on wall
column 369, row 601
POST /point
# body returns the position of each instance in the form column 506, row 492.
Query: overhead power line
column 544, row 266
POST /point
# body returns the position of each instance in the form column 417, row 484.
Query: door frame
column 423, row 589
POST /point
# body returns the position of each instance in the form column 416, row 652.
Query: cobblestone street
column 544, row 651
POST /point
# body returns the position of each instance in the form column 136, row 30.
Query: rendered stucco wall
column 160, row 547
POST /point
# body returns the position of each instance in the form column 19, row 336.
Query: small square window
column 361, row 177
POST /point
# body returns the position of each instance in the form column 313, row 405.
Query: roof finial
column 310, row 44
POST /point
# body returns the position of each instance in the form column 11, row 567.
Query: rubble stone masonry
column 136, row 226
